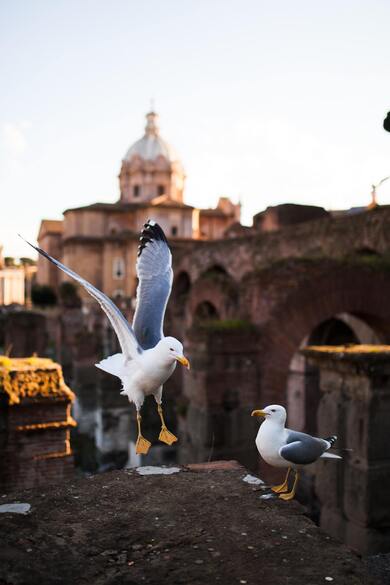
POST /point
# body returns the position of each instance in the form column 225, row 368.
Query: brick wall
column 355, row 405
column 35, row 422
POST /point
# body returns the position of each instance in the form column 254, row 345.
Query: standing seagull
column 282, row 447
column 148, row 358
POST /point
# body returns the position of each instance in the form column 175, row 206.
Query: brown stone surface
column 355, row 385
column 189, row 528
column 35, row 422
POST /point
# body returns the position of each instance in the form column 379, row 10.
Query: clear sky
column 272, row 102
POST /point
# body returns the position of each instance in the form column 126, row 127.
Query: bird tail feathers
column 114, row 364
column 331, row 440
column 327, row 455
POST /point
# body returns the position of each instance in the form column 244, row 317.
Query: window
column 118, row 268
column 136, row 190
column 174, row 230
column 160, row 190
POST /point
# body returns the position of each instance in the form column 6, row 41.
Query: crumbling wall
column 35, row 422
column 355, row 405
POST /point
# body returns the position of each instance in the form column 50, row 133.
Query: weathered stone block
column 34, row 423
column 356, row 399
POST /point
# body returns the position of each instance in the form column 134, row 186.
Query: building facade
column 100, row 241
column 16, row 279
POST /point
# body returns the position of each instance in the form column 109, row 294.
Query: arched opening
column 216, row 270
column 303, row 392
column 366, row 252
column 182, row 284
column 180, row 292
column 204, row 312
column 302, row 385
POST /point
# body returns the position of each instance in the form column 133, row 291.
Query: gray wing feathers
column 126, row 337
column 154, row 270
column 302, row 448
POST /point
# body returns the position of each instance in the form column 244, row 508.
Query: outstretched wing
column 154, row 270
column 127, row 339
column 303, row 449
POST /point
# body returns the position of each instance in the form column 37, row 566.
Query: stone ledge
column 182, row 527
column 215, row 465
column 361, row 358
column 349, row 352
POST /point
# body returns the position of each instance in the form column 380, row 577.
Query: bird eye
column 273, row 409
column 171, row 349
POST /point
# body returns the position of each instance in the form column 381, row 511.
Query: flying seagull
column 148, row 358
column 281, row 447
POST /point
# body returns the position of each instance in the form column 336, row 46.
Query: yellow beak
column 184, row 361
column 259, row 413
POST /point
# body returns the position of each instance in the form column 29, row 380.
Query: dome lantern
column 151, row 168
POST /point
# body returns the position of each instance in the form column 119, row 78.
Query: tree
column 43, row 295
column 27, row 261
column 69, row 295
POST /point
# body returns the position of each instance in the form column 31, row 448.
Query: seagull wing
column 303, row 449
column 127, row 339
column 154, row 271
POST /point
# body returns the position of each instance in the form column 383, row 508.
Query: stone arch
column 182, row 284
column 205, row 311
column 302, row 387
column 215, row 269
column 303, row 295
column 216, row 287
column 180, row 291
column 292, row 302
column 366, row 251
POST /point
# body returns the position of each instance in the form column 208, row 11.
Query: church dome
column 151, row 145
column 151, row 168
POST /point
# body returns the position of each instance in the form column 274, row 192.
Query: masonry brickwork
column 355, row 404
column 35, row 423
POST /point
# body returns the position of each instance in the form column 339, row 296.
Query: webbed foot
column 166, row 436
column 142, row 445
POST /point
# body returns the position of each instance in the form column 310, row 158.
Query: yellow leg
column 283, row 487
column 290, row 495
column 165, row 435
column 142, row 445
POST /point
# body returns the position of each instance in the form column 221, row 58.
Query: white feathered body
column 271, row 437
column 140, row 377
column 269, row 441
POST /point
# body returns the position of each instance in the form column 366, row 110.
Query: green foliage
column 375, row 261
column 43, row 296
column 227, row 325
column 68, row 294
column 27, row 261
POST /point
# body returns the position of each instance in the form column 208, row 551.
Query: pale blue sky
column 272, row 102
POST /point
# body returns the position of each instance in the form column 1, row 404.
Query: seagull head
column 172, row 349
column 274, row 413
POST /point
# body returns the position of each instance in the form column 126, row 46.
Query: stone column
column 35, row 424
column 355, row 406
column 221, row 391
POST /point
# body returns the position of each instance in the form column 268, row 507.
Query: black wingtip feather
column 45, row 254
column 331, row 440
column 151, row 231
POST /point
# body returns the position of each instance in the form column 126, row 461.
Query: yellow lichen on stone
column 349, row 349
column 32, row 378
column 69, row 422
column 5, row 362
